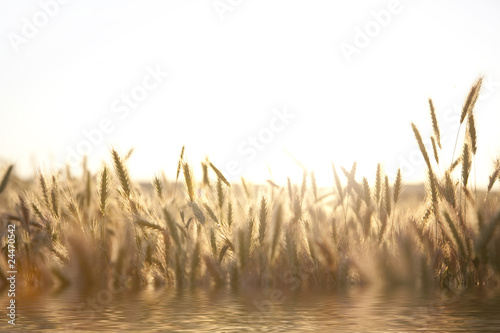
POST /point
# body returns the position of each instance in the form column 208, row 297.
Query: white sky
column 227, row 76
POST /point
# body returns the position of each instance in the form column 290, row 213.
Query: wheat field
column 98, row 230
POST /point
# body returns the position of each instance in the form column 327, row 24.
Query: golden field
column 97, row 230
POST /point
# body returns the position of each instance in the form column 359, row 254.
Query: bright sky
column 329, row 81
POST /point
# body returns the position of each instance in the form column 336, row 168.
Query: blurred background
column 252, row 84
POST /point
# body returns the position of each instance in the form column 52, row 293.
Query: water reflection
column 274, row 310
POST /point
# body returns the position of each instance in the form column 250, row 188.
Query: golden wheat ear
column 471, row 131
column 366, row 192
column 45, row 191
column 378, row 183
column 179, row 166
column 471, row 99
column 103, row 190
column 435, row 125
column 230, row 214
column 448, row 191
column 220, row 175
column 434, row 149
column 263, row 219
column 122, row 174
column 421, row 145
column 466, row 164
column 5, row 178
column 387, row 196
column 468, row 108
column 158, row 187
column 398, row 185
column 493, row 178
column 189, row 180
column 220, row 194
column 204, row 168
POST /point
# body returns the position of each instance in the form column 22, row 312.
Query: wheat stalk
column 303, row 187
column 398, row 184
column 387, row 196
column 54, row 195
column 471, row 130
column 492, row 178
column 195, row 263
column 366, row 192
column 421, row 145
column 435, row 126
column 211, row 213
column 188, row 178
column 471, row 99
column 204, row 168
column 262, row 220
column 378, row 183
column 220, row 176
column 230, row 214
column 179, row 166
column 172, row 227
column 5, row 178
column 455, row 234
column 145, row 223
column 25, row 213
column 289, row 188
column 486, row 234
column 468, row 107
column 220, row 194
column 213, row 270
column 122, row 173
column 197, row 212
column 466, row 164
column 434, row 195
column 103, row 190
column 449, row 190
column 314, row 186
column 278, row 220
column 434, row 149
column 45, row 191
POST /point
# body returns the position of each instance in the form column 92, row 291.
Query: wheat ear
column 5, row 178
column 435, row 125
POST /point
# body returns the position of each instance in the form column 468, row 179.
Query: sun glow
column 224, row 93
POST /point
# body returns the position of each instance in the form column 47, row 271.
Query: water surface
column 274, row 310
